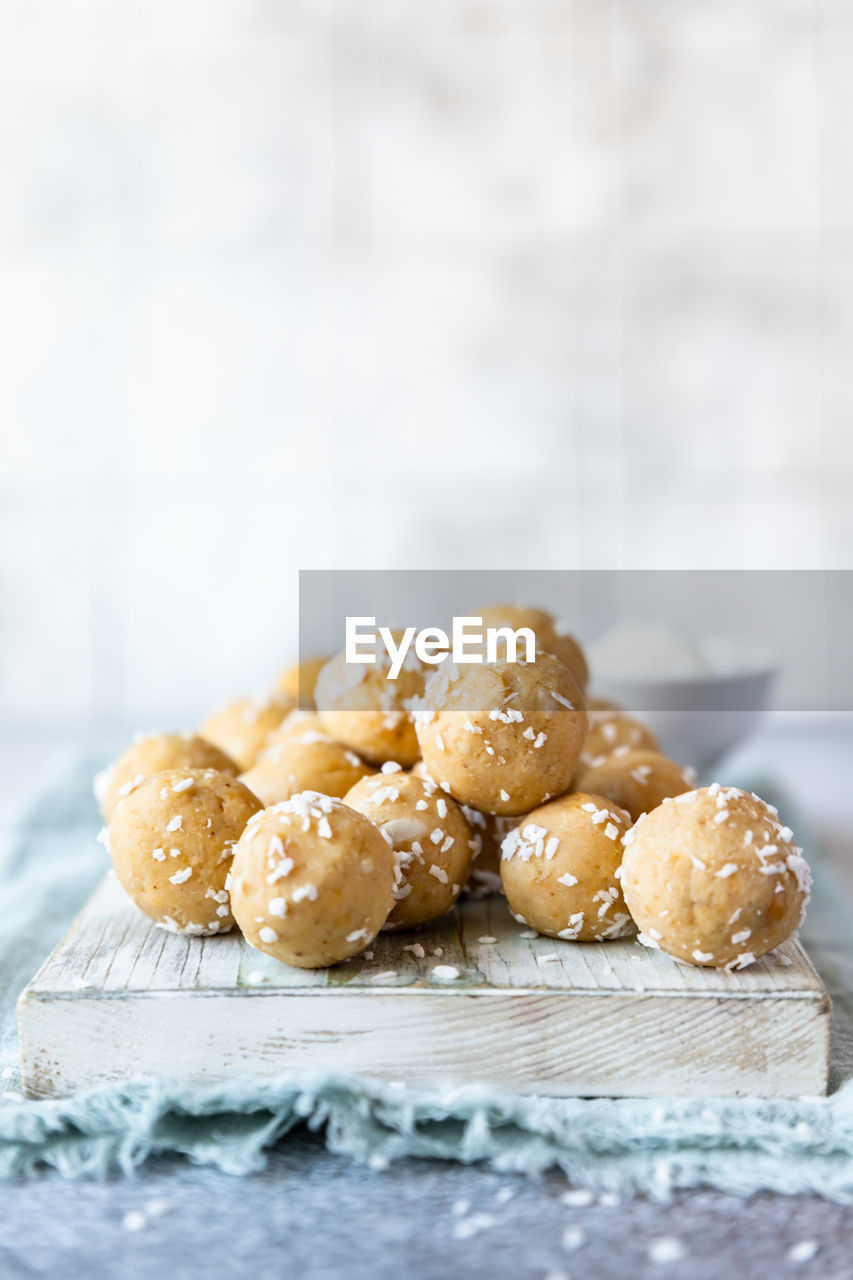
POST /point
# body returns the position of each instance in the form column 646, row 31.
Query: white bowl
column 698, row 719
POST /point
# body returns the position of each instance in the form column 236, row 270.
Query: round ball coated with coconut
column 714, row 878
column 502, row 738
column 172, row 840
column 431, row 840
column 560, row 869
column 312, row 882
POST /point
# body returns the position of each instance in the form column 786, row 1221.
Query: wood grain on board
column 120, row 998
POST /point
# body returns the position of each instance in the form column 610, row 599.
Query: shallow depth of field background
column 364, row 283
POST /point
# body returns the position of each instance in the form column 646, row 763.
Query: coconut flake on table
column 578, row 1198
column 666, row 1249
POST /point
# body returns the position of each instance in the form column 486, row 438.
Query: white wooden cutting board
column 119, row 998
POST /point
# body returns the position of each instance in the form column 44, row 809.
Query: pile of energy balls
column 312, row 830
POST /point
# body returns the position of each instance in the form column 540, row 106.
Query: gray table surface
column 314, row 1215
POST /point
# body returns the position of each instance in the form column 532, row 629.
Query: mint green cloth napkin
column 51, row 862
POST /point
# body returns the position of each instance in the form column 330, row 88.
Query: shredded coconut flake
column 667, row 1249
column 283, row 869
column 308, row 891
column 803, row 1251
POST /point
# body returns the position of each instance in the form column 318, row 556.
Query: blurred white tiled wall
column 356, row 283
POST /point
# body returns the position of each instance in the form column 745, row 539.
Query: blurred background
column 357, row 284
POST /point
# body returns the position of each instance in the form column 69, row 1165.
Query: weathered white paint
column 119, row 998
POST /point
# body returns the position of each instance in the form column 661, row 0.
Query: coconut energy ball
column 304, row 726
column 312, row 882
column 636, row 780
column 502, row 738
column 242, row 727
column 429, row 836
column 370, row 713
column 713, row 877
column 611, row 731
column 171, row 841
column 152, row 753
column 560, row 869
column 489, row 830
column 548, row 635
column 298, row 681
column 307, row 762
